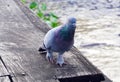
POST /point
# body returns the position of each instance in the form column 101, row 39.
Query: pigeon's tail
column 42, row 49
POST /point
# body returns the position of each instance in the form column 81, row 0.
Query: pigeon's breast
column 60, row 44
column 62, row 40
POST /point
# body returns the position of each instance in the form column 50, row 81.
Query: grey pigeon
column 60, row 40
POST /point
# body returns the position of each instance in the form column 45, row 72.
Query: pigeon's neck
column 67, row 32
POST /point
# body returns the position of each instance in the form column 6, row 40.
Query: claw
column 50, row 59
column 61, row 64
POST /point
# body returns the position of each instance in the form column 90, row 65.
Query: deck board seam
column 9, row 76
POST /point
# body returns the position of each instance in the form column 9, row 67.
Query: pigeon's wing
column 49, row 37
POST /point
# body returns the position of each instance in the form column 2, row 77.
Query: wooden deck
column 21, row 34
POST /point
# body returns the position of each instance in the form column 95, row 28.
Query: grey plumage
column 60, row 39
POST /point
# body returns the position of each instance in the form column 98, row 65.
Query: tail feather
column 42, row 50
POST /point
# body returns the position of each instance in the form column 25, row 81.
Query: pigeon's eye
column 74, row 22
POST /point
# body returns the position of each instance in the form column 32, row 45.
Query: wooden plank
column 4, row 79
column 9, row 11
column 38, row 23
column 19, row 43
column 107, row 79
column 15, row 36
column 81, row 65
column 3, row 70
column 51, row 81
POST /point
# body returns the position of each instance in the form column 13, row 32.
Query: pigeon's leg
column 49, row 56
column 60, row 59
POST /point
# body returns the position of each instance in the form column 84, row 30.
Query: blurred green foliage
column 43, row 7
column 50, row 18
column 40, row 14
column 23, row 1
column 33, row 5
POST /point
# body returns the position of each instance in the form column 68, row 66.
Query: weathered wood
column 4, row 79
column 3, row 70
column 107, row 79
column 16, row 38
column 4, row 75
column 20, row 39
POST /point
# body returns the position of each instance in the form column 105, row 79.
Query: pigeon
column 60, row 40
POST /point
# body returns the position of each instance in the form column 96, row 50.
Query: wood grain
column 3, row 70
column 4, row 79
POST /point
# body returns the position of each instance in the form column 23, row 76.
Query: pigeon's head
column 72, row 22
